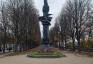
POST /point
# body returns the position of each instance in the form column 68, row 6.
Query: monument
column 45, row 19
column 46, row 51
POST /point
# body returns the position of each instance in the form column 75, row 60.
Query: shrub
column 90, row 43
column 70, row 44
column 84, row 44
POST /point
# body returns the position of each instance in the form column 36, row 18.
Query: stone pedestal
column 47, row 51
column 45, row 39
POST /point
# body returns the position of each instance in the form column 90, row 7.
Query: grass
column 15, row 53
column 36, row 54
column 37, row 50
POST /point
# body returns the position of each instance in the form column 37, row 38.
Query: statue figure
column 45, row 8
column 45, row 2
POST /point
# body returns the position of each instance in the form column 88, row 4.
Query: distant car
column 10, row 48
column 0, row 50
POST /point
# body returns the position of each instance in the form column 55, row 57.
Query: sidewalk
column 70, row 59
column 2, row 55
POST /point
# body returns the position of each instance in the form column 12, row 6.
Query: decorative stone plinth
column 47, row 51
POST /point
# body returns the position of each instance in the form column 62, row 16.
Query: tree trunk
column 9, row 47
column 3, row 47
column 59, row 44
column 79, row 49
column 20, row 47
column 16, row 47
column 73, row 44
column 65, row 44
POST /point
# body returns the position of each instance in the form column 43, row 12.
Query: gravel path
column 70, row 59
column 5, row 54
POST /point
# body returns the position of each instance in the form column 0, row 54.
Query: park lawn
column 55, row 54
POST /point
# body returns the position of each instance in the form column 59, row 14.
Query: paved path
column 70, row 59
column 5, row 54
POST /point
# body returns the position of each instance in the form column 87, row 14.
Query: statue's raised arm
column 45, row 2
column 45, row 8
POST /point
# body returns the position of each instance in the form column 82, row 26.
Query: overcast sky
column 55, row 8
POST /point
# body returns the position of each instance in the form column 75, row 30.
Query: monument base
column 47, row 51
column 45, row 46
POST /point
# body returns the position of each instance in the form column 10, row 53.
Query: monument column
column 45, row 19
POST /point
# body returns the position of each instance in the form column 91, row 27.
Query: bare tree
column 20, row 24
column 73, row 18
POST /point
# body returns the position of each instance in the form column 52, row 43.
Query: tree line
column 19, row 25
column 75, row 22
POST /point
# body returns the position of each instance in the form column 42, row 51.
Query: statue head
column 45, row 2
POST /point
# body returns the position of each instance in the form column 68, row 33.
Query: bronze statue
column 45, row 19
column 45, row 8
column 45, row 2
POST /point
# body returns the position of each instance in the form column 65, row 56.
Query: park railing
column 87, row 50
